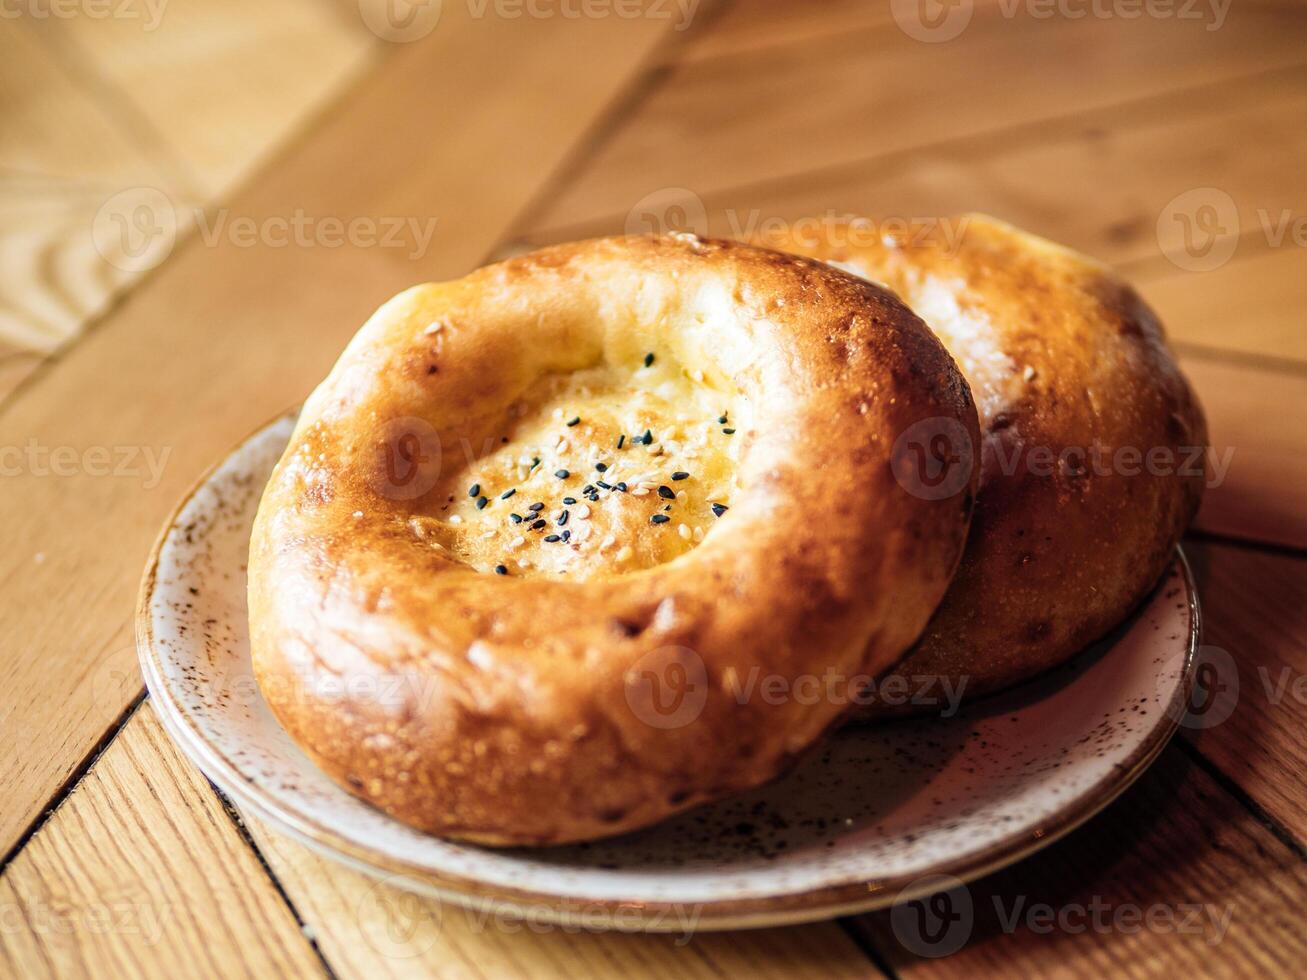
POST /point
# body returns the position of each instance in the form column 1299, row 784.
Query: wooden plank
column 1126, row 163
column 859, row 97
column 1254, row 418
column 756, row 24
column 215, row 85
column 1253, row 304
column 1255, row 615
column 366, row 928
column 1176, row 879
column 223, row 336
column 95, row 106
column 141, row 872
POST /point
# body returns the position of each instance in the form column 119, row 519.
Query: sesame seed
column 620, row 487
column 501, row 569
column 625, row 553
column 719, row 509
column 698, row 534
column 507, row 493
column 569, row 500
column 551, row 538
column 621, row 440
column 575, row 421
column 517, row 542
column 680, row 475
column 358, row 513
column 537, row 506
column 684, row 531
column 601, row 483
column 481, row 503
column 562, row 518
column 729, row 432
column 535, row 461
column 537, row 525
column 474, row 490
column 567, row 536
column 515, row 518
column 659, row 519
column 666, row 492
column 647, row 438
column 648, row 359
column 455, row 519
column 640, row 492
column 583, row 511
column 601, row 467
column 562, row 474
column 721, row 420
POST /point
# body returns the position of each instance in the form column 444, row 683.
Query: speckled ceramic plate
column 872, row 817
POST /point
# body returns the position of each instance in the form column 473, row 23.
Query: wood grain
column 367, row 928
column 1255, row 422
column 223, row 336
column 1255, row 615
column 758, row 116
column 1175, row 846
column 140, row 872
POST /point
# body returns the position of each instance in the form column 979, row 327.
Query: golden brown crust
column 1075, row 387
column 510, row 709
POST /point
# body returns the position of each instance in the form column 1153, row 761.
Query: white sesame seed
column 640, row 492
column 358, row 513
column 625, row 554
column 434, row 327
column 684, row 531
column 608, row 541
column 583, row 511
column 517, row 542
column 455, row 519
column 698, row 534
column 681, row 496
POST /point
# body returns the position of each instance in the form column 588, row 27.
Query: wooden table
column 1171, row 146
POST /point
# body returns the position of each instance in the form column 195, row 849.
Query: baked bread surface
column 500, row 681
column 1075, row 386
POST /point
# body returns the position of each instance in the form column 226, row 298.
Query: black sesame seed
column 501, row 569
column 474, row 490
column 729, row 432
column 680, row 475
column 648, row 359
column 659, row 519
column 575, row 421
column 562, row 518
column 721, row 420
column 569, row 500
column 507, row 493
column 601, row 467
column 535, row 461
column 567, row 535
column 537, row 525
column 621, row 486
column 536, row 506
column 667, row 507
column 647, row 438
column 601, row 483
column 719, row 509
column 562, row 474
column 621, row 440
column 481, row 503
column 588, row 488
column 515, row 518
column 551, row 538
column 666, row 492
